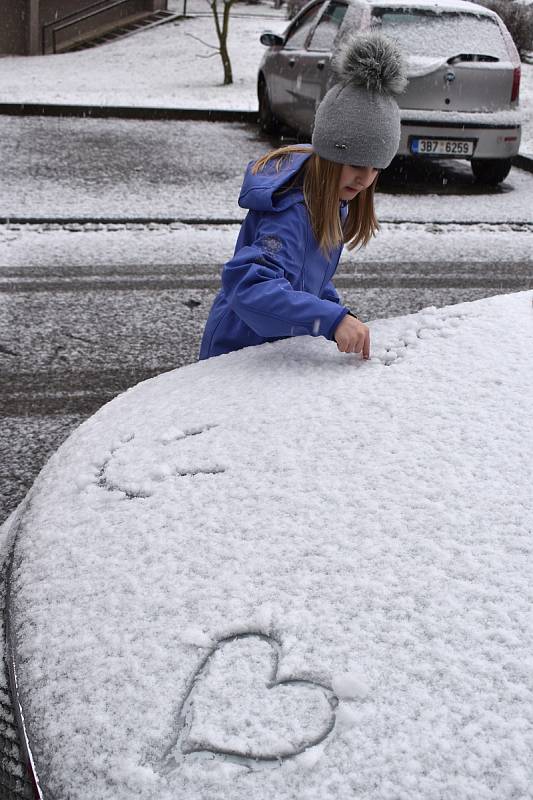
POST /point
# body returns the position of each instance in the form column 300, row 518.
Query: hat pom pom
column 373, row 61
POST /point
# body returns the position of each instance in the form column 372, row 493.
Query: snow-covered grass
column 171, row 66
column 364, row 527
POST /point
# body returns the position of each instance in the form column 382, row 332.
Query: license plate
column 442, row 147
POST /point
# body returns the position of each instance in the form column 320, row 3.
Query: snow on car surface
column 289, row 573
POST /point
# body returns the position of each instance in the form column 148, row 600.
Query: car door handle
column 292, row 62
column 320, row 64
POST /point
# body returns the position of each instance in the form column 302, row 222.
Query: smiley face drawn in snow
column 237, row 708
column 135, row 468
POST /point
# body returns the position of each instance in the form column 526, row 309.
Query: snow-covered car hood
column 289, row 573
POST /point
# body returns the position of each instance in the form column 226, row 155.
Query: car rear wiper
column 471, row 57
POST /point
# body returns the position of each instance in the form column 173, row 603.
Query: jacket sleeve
column 330, row 293
column 258, row 281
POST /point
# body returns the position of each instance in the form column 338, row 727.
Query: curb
column 523, row 162
column 145, row 221
column 126, row 112
column 219, row 221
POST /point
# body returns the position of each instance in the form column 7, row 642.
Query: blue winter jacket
column 278, row 283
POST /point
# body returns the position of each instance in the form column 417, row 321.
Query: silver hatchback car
column 463, row 69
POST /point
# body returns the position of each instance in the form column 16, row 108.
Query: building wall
column 13, row 27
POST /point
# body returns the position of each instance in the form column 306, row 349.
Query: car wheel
column 491, row 170
column 268, row 122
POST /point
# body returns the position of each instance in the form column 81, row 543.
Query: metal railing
column 75, row 18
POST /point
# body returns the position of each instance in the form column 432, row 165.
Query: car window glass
column 328, row 27
column 446, row 34
column 300, row 32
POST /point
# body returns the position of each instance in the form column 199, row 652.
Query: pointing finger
column 366, row 345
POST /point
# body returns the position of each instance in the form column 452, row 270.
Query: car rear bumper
column 493, row 135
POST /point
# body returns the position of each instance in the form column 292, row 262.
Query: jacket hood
column 259, row 191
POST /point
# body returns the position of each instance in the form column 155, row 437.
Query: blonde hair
column 321, row 194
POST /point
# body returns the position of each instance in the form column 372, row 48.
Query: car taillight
column 516, row 84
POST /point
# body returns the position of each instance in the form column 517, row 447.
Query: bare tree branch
column 213, row 46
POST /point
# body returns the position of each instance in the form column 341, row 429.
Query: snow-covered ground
column 171, row 66
column 196, row 248
column 363, row 528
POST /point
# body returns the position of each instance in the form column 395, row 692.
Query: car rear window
column 441, row 34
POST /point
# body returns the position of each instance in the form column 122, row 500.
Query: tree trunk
column 228, row 75
column 224, row 55
column 222, row 33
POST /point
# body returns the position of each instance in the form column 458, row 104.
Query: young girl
column 305, row 202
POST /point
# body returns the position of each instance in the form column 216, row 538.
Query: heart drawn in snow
column 237, row 707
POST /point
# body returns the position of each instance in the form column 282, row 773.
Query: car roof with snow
column 435, row 5
column 286, row 572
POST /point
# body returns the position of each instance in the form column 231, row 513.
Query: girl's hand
column 352, row 336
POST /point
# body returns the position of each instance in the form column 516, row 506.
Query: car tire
column 491, row 170
column 268, row 122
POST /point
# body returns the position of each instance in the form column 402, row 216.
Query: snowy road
column 87, row 310
column 93, row 168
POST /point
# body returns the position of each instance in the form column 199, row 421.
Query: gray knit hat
column 358, row 121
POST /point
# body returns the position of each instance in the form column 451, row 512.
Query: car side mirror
column 271, row 39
